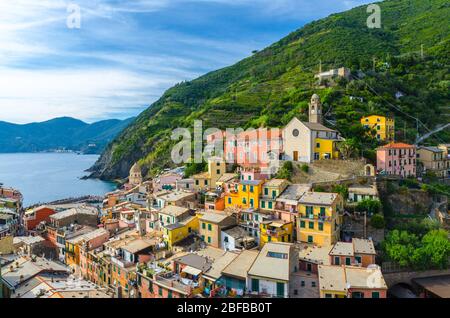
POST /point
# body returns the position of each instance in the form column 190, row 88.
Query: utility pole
column 365, row 224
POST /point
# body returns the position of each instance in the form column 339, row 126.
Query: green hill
column 275, row 84
column 59, row 134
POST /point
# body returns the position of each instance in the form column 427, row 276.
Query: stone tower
column 315, row 110
column 135, row 177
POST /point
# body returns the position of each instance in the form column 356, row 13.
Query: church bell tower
column 315, row 110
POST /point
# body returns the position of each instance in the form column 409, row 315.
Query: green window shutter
column 274, row 193
column 244, row 201
column 310, row 239
column 203, row 225
column 209, row 227
column 348, row 261
column 358, row 259
column 160, row 291
column 311, row 225
column 251, row 189
column 251, row 203
column 280, row 289
column 255, row 285
column 322, row 211
column 244, row 188
column 266, row 191
column 375, row 294
column 209, row 239
column 302, row 224
column 263, row 204
column 320, row 226
column 270, row 205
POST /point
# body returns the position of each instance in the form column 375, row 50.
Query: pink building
column 250, row 148
column 166, row 181
column 397, row 159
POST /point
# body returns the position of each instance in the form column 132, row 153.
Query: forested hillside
column 275, row 84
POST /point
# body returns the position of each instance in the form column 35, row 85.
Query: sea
column 47, row 177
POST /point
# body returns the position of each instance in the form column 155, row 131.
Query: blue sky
column 127, row 53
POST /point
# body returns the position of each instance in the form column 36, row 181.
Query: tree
column 341, row 189
column 286, row 171
column 377, row 221
column 430, row 252
column 347, row 148
column 371, row 206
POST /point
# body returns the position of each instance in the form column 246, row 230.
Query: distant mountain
column 57, row 134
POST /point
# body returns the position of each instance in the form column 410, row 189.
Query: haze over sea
column 46, row 177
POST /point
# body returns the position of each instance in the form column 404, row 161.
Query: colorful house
column 276, row 231
column 271, row 272
column 383, row 126
column 37, row 215
column 433, row 159
column 397, row 159
column 211, row 226
column 247, row 196
column 358, row 252
column 207, row 180
column 351, row 282
column 271, row 191
column 173, row 233
column 319, row 219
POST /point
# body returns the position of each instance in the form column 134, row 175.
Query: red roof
column 397, row 145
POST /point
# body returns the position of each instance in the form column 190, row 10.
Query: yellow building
column 271, row 191
column 276, row 231
column 247, row 195
column 319, row 218
column 174, row 233
column 325, row 149
column 207, row 180
column 384, row 126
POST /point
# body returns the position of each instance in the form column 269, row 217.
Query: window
column 320, row 226
column 263, row 204
column 337, row 260
column 244, row 188
column 302, row 283
column 203, row 225
column 251, row 203
column 251, row 189
column 375, row 294
column 313, row 284
column 302, row 224
column 209, row 239
column 274, row 194
column 270, row 205
column 197, row 182
column 322, row 211
column 206, row 182
column 348, row 261
column 203, row 238
column 169, row 295
column 318, row 145
column 229, row 200
column 244, row 201
column 280, row 289
column 311, row 225
column 310, row 239
column 218, row 171
column 295, row 132
column 160, row 291
column 255, row 285
column 266, row 191
column 209, row 227
column 358, row 259
column 309, row 267
column 328, row 296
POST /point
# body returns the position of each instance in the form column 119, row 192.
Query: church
column 310, row 141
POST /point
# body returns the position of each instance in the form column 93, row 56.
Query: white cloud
column 112, row 67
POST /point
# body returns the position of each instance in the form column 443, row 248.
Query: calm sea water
column 50, row 176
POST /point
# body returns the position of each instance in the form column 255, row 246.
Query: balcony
column 320, row 218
